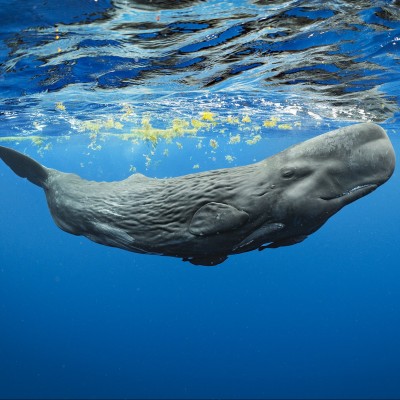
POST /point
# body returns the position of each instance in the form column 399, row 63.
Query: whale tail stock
column 24, row 166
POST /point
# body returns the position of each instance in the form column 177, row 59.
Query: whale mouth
column 354, row 193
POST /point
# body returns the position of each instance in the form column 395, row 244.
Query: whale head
column 316, row 178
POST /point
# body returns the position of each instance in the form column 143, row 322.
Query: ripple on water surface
column 153, row 70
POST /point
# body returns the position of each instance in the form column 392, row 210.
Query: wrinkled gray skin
column 205, row 217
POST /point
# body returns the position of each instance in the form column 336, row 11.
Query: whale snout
column 374, row 157
column 368, row 162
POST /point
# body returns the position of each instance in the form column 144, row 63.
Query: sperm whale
column 205, row 217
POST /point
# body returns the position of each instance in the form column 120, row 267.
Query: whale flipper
column 284, row 242
column 24, row 166
column 214, row 218
column 259, row 235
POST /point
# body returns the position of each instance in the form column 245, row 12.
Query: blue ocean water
column 107, row 88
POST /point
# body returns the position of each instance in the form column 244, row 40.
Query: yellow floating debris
column 214, row 143
column 109, row 124
column 37, row 140
column 197, row 124
column 94, row 146
column 93, row 126
column 48, row 147
column 285, row 126
column 180, row 126
column 148, row 159
column 60, row 106
column 128, row 111
column 207, row 116
column 232, row 120
column 271, row 122
column 234, row 139
column 254, row 140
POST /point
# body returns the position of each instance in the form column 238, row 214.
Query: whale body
column 205, row 217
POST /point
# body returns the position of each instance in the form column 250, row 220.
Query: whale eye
column 287, row 173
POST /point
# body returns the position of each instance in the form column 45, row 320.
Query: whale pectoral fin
column 206, row 261
column 24, row 166
column 260, row 235
column 284, row 242
column 214, row 218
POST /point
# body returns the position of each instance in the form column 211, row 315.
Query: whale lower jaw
column 354, row 193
